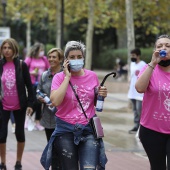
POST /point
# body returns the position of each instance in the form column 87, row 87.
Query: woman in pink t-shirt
column 74, row 144
column 37, row 64
column 154, row 82
column 16, row 95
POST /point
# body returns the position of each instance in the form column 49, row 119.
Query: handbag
column 30, row 123
column 94, row 122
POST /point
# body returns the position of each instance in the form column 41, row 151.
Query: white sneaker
column 13, row 128
column 38, row 127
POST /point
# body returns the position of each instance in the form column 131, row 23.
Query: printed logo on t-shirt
column 137, row 72
column 164, row 101
column 10, row 80
column 84, row 99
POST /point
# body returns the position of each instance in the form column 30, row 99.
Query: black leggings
column 157, row 147
column 19, row 116
column 48, row 133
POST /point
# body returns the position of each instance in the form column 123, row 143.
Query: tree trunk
column 89, row 36
column 28, row 36
column 122, row 37
column 130, row 31
column 58, row 20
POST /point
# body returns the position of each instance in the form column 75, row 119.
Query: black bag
column 94, row 122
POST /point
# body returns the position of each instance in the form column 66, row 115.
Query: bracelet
column 151, row 66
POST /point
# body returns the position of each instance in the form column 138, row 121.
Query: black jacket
column 23, row 82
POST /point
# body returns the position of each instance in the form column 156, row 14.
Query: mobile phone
column 69, row 67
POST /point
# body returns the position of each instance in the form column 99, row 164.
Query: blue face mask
column 76, row 65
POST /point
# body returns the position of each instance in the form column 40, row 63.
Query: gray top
column 44, row 85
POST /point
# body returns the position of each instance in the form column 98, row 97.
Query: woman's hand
column 66, row 68
column 155, row 58
column 41, row 99
column 29, row 111
column 102, row 91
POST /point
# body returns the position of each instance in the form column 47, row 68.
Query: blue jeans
column 83, row 156
column 137, row 107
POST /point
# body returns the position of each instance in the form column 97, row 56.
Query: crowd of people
column 60, row 77
column 21, row 79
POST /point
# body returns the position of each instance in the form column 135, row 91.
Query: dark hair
column 163, row 36
column 136, row 51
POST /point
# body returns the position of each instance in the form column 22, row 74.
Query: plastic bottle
column 99, row 104
column 45, row 97
column 36, row 77
column 162, row 53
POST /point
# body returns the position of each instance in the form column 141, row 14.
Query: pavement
column 124, row 151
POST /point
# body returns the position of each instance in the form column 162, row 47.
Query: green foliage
column 49, row 47
column 107, row 58
column 104, row 60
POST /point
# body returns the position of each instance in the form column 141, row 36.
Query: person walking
column 55, row 58
column 73, row 141
column 136, row 98
column 154, row 130
column 37, row 64
column 16, row 95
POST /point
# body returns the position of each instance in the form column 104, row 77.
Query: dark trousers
column 48, row 133
column 19, row 116
column 157, row 147
column 37, row 105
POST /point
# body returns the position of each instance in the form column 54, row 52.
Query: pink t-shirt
column 10, row 100
column 40, row 63
column 69, row 110
column 156, row 102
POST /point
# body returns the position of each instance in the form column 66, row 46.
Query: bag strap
column 79, row 101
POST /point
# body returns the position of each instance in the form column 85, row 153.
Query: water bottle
column 47, row 100
column 45, row 97
column 99, row 104
column 162, row 53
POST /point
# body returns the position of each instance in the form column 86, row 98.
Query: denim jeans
column 137, row 107
column 83, row 156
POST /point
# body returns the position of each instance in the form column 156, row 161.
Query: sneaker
column 133, row 130
column 2, row 166
column 18, row 166
column 39, row 127
column 13, row 128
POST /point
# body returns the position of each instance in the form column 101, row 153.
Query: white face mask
column 41, row 54
column 76, row 65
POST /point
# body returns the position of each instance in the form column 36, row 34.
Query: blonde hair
column 59, row 52
column 14, row 46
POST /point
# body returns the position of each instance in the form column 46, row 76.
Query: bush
column 107, row 58
column 49, row 47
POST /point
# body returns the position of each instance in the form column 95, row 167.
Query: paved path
column 124, row 151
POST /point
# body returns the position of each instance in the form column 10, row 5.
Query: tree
column 130, row 29
column 89, row 36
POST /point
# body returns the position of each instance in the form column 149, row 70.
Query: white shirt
column 134, row 71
